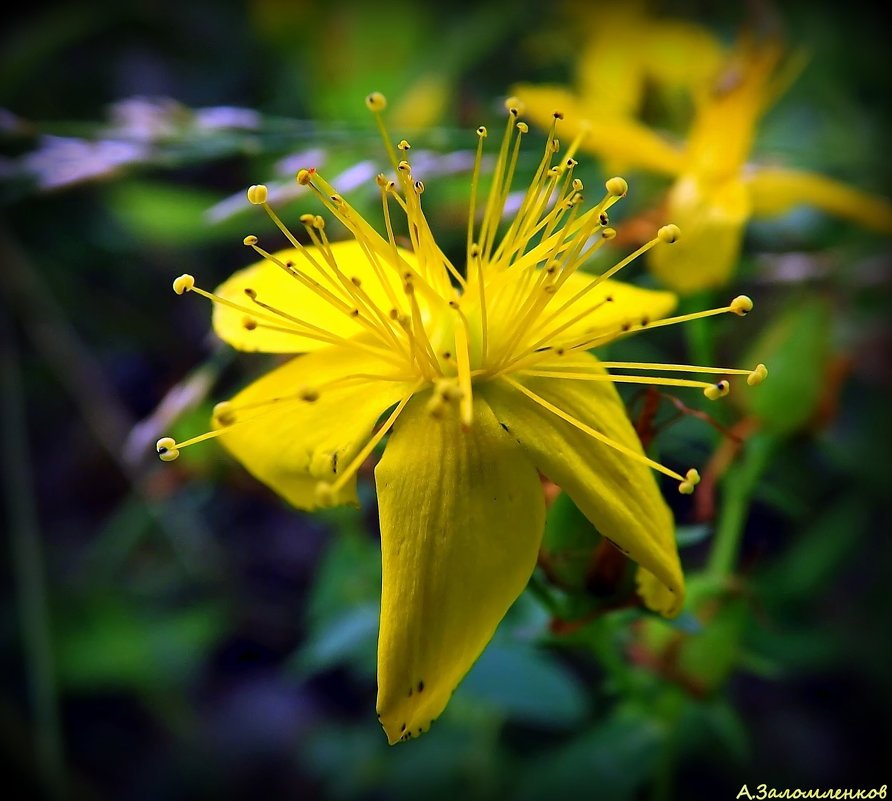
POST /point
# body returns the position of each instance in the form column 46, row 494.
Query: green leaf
column 348, row 639
column 109, row 644
column 524, row 684
column 164, row 214
column 796, row 349
column 613, row 761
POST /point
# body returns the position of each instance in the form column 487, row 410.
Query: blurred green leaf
column 613, row 761
column 159, row 213
column 524, row 684
column 348, row 639
column 107, row 643
column 796, row 349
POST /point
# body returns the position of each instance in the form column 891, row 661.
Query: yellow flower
column 483, row 379
column 716, row 191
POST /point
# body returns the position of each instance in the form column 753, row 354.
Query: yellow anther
column 523, row 127
column 481, row 132
column 448, row 389
column 419, row 187
column 303, row 177
column 669, row 233
column 308, row 394
column 249, row 240
column 356, row 280
column 166, row 449
column 183, row 284
column 404, row 166
column 718, row 390
column 257, row 194
column 318, row 222
column 381, row 179
column 324, row 494
column 692, row 476
column 617, row 186
column 223, row 414
column 686, row 488
column 608, row 233
column 474, row 250
column 409, row 288
column 376, row 101
column 436, row 405
column 249, row 323
column 307, row 219
column 571, row 163
column 558, row 115
column 758, row 375
column 577, row 185
column 556, row 143
column 404, row 145
column 514, row 105
column 742, row 305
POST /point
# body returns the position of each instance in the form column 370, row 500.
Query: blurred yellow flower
column 716, row 191
column 483, row 379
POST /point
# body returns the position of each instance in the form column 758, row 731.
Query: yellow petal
column 628, row 304
column 292, row 444
column 276, row 288
column 618, row 495
column 729, row 111
column 462, row 515
column 776, row 191
column 680, row 53
column 712, row 218
column 621, row 141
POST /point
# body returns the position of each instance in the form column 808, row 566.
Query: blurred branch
column 28, row 569
column 105, row 416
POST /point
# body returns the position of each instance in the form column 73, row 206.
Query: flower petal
column 276, row 288
column 618, row 495
column 712, row 218
column 462, row 515
column 776, row 191
column 621, row 141
column 292, row 444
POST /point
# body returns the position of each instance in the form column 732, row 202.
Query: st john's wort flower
column 716, row 190
column 481, row 377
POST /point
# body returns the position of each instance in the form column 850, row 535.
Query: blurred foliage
column 176, row 632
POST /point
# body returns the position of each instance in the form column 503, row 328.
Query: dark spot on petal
column 334, row 462
column 421, row 686
column 403, row 727
column 505, row 427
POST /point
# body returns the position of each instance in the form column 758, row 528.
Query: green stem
column 738, row 486
column 699, row 333
column 28, row 567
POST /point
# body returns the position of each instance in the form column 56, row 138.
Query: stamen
column 684, row 481
column 622, row 379
column 166, row 448
column 463, row 360
column 475, row 179
column 717, row 390
column 326, row 491
column 376, row 103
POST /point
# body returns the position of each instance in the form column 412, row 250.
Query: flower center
column 521, row 304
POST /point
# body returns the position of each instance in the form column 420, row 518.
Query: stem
column 739, row 484
column 698, row 333
column 28, row 569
